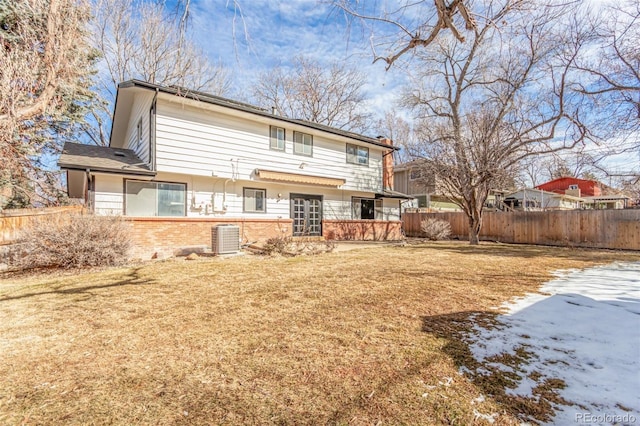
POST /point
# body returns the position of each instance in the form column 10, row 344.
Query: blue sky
column 257, row 35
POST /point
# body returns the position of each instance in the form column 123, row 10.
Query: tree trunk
column 475, row 223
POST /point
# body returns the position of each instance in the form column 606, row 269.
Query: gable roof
column 240, row 106
column 77, row 156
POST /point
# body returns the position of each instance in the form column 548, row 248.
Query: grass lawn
column 363, row 337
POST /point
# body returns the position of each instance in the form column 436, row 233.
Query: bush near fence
column 13, row 221
column 612, row 229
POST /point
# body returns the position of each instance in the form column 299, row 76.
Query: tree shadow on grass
column 132, row 278
column 495, row 376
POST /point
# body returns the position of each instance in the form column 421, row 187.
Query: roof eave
column 107, row 170
column 228, row 103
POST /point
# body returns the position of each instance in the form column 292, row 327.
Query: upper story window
column 357, row 154
column 573, row 186
column 277, row 138
column 415, row 174
column 302, row 143
column 139, row 133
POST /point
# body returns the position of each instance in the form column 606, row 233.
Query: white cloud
column 261, row 34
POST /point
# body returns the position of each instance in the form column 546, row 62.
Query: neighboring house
column 410, row 178
column 529, row 199
column 182, row 157
column 596, row 195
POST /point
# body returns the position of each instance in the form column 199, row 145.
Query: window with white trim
column 144, row 198
column 367, row 208
column 302, row 143
column 254, row 200
column 277, row 138
column 357, row 154
column 139, row 133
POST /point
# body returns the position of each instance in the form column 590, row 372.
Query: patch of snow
column 478, row 400
column 586, row 331
column 490, row 418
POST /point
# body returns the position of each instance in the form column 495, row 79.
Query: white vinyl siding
column 302, row 143
column 209, row 197
column 107, row 196
column 212, row 144
column 137, row 136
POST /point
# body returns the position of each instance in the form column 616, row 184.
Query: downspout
column 152, row 133
column 88, row 190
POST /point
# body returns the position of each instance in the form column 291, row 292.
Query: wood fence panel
column 615, row 229
column 12, row 222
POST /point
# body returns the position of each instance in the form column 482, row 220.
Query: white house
column 529, row 199
column 187, row 159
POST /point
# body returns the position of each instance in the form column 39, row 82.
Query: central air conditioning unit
column 225, row 239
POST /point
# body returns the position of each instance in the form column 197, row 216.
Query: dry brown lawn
column 363, row 337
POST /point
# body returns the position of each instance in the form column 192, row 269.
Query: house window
column 144, row 198
column 302, row 143
column 423, row 200
column 139, row 133
column 357, row 154
column 254, row 200
column 367, row 208
column 415, row 174
column 573, row 186
column 277, row 138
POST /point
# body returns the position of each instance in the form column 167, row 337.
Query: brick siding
column 164, row 237
column 362, row 230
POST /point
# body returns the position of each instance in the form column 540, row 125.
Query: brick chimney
column 387, row 165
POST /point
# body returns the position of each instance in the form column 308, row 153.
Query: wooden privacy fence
column 614, row 229
column 13, row 221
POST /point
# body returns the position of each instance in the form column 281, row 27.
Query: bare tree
column 144, row 40
column 612, row 81
column 613, row 69
column 46, row 65
column 407, row 32
column 503, row 96
column 330, row 95
column 394, row 127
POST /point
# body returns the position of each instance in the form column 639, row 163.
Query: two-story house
column 413, row 178
column 596, row 194
column 180, row 162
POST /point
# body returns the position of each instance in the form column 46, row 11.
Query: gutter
column 111, row 171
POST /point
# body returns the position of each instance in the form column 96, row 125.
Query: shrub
column 276, row 245
column 435, row 229
column 74, row 242
column 287, row 246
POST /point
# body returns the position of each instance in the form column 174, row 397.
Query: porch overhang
column 278, row 176
column 102, row 159
column 387, row 193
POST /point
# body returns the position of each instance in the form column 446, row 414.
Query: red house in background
column 596, row 194
column 571, row 185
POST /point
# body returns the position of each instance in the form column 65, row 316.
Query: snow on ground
column 586, row 331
